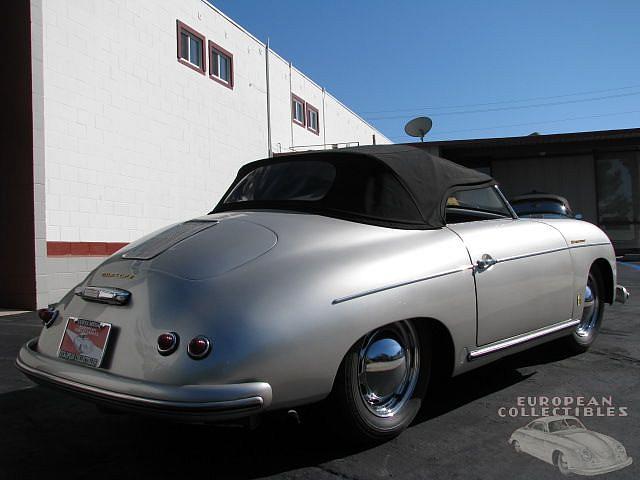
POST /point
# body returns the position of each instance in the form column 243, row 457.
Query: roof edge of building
column 537, row 139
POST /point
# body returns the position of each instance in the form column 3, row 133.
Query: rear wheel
column 593, row 310
column 381, row 382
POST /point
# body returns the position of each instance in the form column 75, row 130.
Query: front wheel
column 593, row 310
column 381, row 382
column 562, row 464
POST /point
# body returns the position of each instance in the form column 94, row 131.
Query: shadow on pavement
column 46, row 432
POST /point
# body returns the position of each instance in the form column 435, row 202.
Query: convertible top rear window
column 300, row 181
column 355, row 188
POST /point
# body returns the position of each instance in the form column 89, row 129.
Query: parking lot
column 461, row 433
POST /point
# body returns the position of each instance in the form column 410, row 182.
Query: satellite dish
column 418, row 127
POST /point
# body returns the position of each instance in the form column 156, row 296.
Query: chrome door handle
column 485, row 262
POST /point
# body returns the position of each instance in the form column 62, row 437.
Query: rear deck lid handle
column 110, row 295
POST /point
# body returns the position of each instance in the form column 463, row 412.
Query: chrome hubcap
column 388, row 366
column 590, row 310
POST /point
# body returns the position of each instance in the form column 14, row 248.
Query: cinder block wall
column 132, row 140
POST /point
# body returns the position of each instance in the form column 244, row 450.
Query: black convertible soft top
column 424, row 178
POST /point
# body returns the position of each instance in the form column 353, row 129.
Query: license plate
column 84, row 341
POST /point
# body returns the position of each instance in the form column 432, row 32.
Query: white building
column 132, row 115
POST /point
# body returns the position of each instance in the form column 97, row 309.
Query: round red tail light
column 199, row 347
column 167, row 343
column 48, row 316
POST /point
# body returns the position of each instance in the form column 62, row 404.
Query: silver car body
column 284, row 295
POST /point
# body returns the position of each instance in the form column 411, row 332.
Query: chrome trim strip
column 534, row 254
column 513, row 213
column 228, row 405
column 552, row 250
column 396, row 285
column 523, row 337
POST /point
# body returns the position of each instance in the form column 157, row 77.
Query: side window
column 538, row 426
column 220, row 65
column 297, row 110
column 312, row 119
column 471, row 205
column 190, row 48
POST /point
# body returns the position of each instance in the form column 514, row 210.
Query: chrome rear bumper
column 622, row 295
column 199, row 403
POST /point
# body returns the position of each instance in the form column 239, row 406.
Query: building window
column 313, row 119
column 220, row 65
column 191, row 48
column 297, row 110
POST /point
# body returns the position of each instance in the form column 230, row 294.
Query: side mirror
column 579, row 216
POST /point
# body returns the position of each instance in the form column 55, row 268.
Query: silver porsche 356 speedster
column 346, row 276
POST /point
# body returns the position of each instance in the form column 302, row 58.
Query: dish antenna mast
column 418, row 127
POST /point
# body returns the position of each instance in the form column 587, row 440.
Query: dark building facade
column 598, row 172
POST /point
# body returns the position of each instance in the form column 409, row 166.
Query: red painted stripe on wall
column 83, row 249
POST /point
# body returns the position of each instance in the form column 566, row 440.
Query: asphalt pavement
column 462, row 432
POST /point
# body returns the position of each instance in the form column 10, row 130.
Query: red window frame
column 295, row 98
column 214, row 46
column 310, row 108
column 186, row 28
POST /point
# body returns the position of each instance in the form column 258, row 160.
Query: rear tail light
column 48, row 316
column 168, row 343
column 199, row 347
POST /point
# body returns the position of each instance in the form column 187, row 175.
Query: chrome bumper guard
column 189, row 402
column 622, row 294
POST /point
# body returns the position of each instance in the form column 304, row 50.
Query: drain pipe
column 268, row 100
column 324, row 125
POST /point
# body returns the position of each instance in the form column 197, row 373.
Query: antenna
column 418, row 127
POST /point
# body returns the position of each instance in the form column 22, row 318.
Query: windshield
column 541, row 209
column 358, row 187
column 565, row 424
column 481, row 199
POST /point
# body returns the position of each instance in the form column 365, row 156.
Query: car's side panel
column 592, row 245
column 530, row 286
column 587, row 243
column 534, row 443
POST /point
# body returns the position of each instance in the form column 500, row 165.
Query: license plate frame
column 85, row 342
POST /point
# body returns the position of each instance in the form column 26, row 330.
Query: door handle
column 487, row 261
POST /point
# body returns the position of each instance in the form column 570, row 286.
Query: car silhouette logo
column 565, row 442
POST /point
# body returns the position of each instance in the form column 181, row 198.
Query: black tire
column 561, row 463
column 348, row 408
column 586, row 332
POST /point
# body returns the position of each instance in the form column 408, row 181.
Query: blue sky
column 477, row 68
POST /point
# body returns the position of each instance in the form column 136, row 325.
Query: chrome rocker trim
column 524, row 337
column 196, row 410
